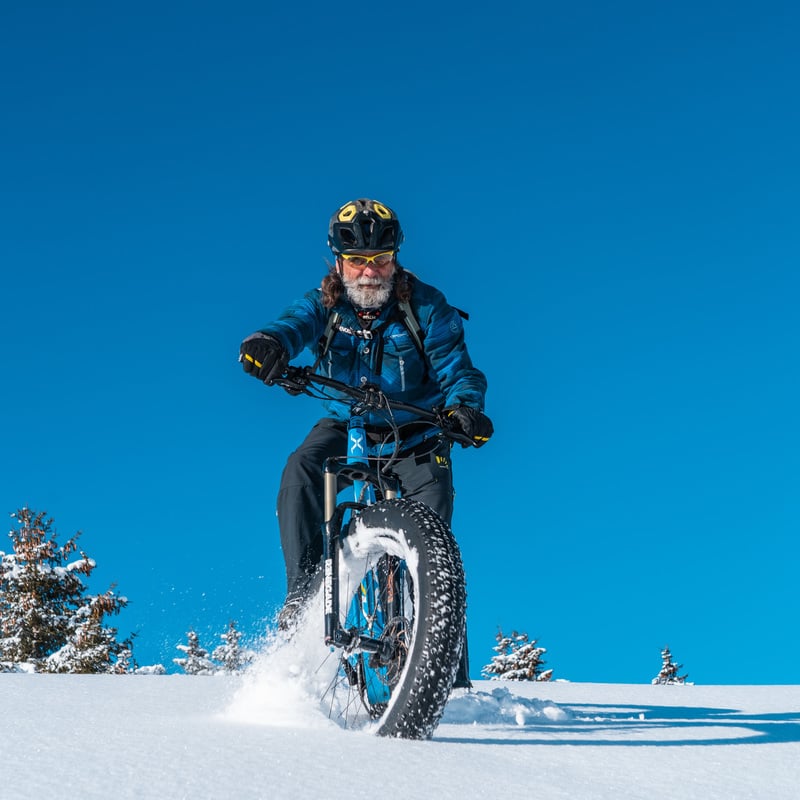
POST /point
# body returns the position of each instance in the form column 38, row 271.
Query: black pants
column 425, row 474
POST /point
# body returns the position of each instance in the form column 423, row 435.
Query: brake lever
column 294, row 381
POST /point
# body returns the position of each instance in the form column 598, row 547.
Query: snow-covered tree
column 125, row 662
column 669, row 670
column 92, row 645
column 517, row 659
column 196, row 661
column 46, row 619
column 231, row 655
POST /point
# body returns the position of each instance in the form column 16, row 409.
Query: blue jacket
column 448, row 378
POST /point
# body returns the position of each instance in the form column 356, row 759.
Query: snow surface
column 264, row 735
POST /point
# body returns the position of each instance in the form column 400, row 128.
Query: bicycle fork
column 356, row 469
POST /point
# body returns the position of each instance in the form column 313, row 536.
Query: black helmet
column 364, row 225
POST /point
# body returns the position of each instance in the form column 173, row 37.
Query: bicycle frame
column 355, row 467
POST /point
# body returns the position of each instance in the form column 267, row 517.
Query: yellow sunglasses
column 359, row 260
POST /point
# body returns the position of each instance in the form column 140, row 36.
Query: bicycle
column 392, row 579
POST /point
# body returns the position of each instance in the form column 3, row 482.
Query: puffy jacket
column 448, row 378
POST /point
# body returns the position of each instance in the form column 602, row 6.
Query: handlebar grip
column 457, row 436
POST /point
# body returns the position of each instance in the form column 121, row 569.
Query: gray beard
column 368, row 292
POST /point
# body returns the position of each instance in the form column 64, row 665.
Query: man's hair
column 332, row 286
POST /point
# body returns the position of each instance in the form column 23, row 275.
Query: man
column 373, row 322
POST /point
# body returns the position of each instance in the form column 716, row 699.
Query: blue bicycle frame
column 357, row 469
column 378, row 601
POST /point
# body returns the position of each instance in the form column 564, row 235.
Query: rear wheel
column 402, row 585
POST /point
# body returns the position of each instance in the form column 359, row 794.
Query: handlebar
column 369, row 397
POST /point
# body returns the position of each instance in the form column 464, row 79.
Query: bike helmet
column 364, row 225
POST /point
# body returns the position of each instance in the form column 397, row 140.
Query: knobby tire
column 430, row 634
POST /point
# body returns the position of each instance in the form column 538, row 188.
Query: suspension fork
column 334, row 633
column 356, row 468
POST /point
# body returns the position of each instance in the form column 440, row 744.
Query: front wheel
column 402, row 585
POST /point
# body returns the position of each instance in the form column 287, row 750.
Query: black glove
column 471, row 422
column 263, row 357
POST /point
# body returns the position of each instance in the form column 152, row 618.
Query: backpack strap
column 409, row 319
column 332, row 325
column 406, row 315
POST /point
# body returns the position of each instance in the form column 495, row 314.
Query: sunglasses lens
column 379, row 260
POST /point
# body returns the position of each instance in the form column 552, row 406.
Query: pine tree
column 91, row 645
column 517, row 659
column 196, row 661
column 125, row 662
column 669, row 670
column 46, row 619
column 231, row 654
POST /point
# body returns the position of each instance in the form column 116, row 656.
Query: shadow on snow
column 622, row 725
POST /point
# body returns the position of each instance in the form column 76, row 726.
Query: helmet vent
column 364, row 224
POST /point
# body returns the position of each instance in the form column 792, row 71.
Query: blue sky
column 610, row 192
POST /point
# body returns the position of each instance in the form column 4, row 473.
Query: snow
column 263, row 734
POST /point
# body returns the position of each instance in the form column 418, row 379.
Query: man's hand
column 263, row 357
column 472, row 423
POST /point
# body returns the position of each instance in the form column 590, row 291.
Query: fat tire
column 419, row 696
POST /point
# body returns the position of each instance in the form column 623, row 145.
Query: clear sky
column 609, row 189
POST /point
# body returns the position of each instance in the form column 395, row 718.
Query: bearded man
column 370, row 322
